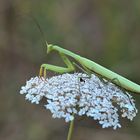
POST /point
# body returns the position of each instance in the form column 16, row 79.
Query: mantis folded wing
column 89, row 65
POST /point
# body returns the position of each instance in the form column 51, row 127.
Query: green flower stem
column 70, row 130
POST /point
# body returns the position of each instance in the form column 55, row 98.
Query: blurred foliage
column 107, row 32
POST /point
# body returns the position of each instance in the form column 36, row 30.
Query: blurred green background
column 106, row 31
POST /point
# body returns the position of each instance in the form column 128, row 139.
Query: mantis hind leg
column 114, row 81
column 121, row 88
column 44, row 67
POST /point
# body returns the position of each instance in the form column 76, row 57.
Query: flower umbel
column 79, row 94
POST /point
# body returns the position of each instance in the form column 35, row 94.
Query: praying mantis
column 88, row 66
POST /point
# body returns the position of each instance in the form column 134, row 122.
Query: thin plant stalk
column 70, row 130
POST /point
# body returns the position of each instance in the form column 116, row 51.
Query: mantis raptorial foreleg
column 58, row 69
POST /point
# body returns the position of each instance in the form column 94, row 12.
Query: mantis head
column 49, row 47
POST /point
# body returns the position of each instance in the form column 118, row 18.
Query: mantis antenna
column 36, row 23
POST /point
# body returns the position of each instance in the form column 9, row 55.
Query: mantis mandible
column 87, row 65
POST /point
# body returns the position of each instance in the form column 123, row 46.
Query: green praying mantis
column 88, row 66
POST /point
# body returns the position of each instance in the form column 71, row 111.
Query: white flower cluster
column 77, row 93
